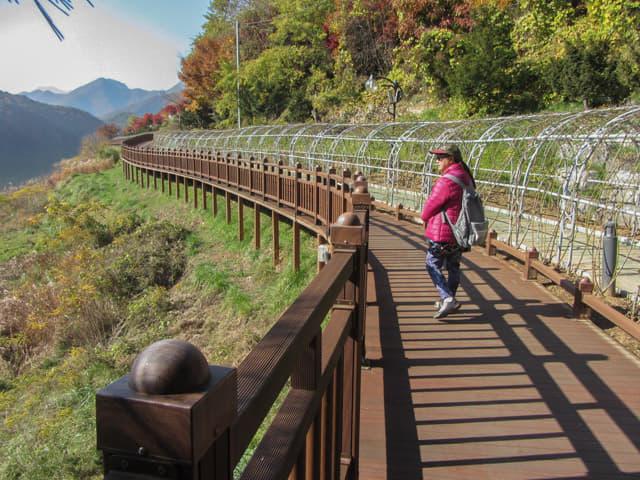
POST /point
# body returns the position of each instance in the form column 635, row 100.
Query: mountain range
column 109, row 100
column 41, row 127
column 34, row 136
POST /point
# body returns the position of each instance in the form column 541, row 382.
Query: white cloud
column 96, row 45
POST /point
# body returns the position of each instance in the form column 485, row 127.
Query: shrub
column 109, row 154
column 153, row 255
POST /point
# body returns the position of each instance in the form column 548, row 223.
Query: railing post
column 278, row 182
column 204, row 196
column 344, row 188
column 399, row 208
column 316, row 194
column 330, row 184
column 256, row 225
column 348, row 234
column 227, row 201
column 177, row 179
column 584, row 287
column 275, row 227
column 529, row 272
column 264, row 167
column 323, row 252
column 361, row 200
column 251, row 185
column 296, row 246
column 491, row 237
column 296, row 187
column 240, row 219
column 168, row 418
column 185, row 178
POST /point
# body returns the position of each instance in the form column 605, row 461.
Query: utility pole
column 238, row 71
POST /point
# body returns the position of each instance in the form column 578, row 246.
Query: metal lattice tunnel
column 549, row 181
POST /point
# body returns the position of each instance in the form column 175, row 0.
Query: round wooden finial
column 169, row 367
column 348, row 219
column 361, row 189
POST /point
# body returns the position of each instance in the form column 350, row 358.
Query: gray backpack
column 471, row 228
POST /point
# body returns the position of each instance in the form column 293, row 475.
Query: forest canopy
column 308, row 60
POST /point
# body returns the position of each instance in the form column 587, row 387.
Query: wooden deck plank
column 508, row 387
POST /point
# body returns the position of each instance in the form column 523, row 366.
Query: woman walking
column 442, row 248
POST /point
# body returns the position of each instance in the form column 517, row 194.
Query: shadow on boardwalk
column 508, row 387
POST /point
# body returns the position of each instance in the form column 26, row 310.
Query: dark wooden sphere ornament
column 169, row 367
column 348, row 219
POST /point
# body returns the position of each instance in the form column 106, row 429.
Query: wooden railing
column 318, row 198
column 584, row 302
column 174, row 416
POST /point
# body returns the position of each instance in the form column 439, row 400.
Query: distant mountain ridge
column 34, row 136
column 105, row 98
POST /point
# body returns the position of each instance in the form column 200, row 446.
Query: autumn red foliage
column 201, row 68
column 150, row 120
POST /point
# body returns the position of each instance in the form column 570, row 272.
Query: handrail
column 584, row 302
column 318, row 197
column 203, row 431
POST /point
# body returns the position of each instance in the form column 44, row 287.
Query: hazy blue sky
column 137, row 42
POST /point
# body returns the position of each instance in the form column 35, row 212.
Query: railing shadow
column 507, row 383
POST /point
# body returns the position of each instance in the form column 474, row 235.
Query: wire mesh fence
column 548, row 181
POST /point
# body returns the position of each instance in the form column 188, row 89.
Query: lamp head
column 371, row 84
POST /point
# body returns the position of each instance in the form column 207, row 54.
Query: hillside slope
column 34, row 136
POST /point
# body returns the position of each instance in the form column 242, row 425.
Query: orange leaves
column 202, row 67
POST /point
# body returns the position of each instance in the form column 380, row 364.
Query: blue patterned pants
column 436, row 263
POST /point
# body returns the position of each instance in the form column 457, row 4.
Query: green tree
column 275, row 86
column 366, row 30
column 587, row 73
column 487, row 76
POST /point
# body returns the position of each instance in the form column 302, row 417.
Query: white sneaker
column 447, row 306
column 436, row 305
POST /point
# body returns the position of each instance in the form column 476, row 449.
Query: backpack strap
column 443, row 213
column 458, row 181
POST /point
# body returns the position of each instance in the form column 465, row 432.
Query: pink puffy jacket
column 445, row 195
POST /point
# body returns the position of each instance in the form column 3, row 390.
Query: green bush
column 153, row 255
column 109, row 153
column 487, row 75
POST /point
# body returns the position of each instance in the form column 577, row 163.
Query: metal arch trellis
column 547, row 179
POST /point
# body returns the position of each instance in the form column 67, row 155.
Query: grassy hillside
column 93, row 271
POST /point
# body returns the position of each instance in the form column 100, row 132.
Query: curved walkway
column 508, row 387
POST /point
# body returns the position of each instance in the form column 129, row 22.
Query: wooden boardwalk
column 508, row 387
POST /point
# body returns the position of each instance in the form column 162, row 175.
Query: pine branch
column 64, row 6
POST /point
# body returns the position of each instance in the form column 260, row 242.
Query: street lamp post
column 395, row 92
